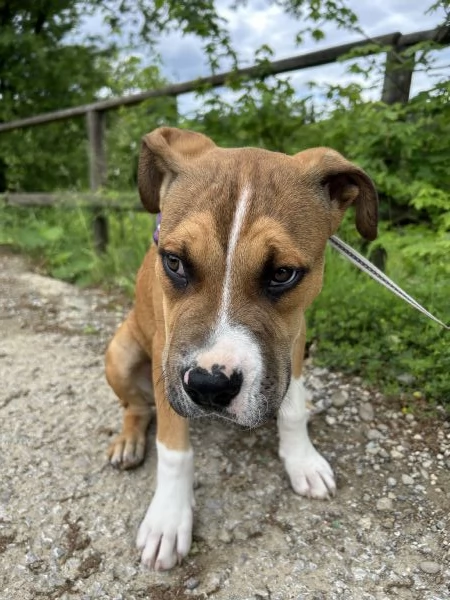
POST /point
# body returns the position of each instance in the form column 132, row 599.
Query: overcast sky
column 260, row 22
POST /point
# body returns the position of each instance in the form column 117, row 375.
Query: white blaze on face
column 232, row 346
column 236, row 228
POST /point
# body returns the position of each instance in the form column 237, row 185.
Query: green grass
column 60, row 242
column 358, row 326
column 362, row 328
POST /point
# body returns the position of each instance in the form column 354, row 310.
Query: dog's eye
column 174, row 264
column 283, row 276
column 281, row 280
column 174, row 268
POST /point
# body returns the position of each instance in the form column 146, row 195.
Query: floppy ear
column 345, row 184
column 165, row 152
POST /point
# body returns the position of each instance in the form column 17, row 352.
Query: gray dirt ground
column 68, row 520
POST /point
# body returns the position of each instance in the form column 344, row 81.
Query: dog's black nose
column 211, row 389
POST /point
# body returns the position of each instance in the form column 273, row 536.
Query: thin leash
column 367, row 267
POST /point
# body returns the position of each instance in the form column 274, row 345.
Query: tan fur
column 127, row 363
column 296, row 204
column 298, row 350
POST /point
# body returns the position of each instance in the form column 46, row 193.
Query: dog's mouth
column 250, row 412
column 228, row 378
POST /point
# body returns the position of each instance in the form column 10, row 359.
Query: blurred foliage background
column 357, row 327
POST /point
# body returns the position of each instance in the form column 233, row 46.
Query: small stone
column 225, row 536
column 130, row 572
column 372, row 448
column 430, row 567
column 365, row 523
column 31, row 559
column 47, row 542
column 71, row 567
column 395, row 454
column 359, row 574
column 212, row 584
column 374, row 434
column 320, row 371
column 388, row 523
column 261, row 595
column 366, row 412
column 384, row 504
column 330, row 420
column 320, row 406
column 58, row 552
column 391, row 481
column 339, row 398
column 407, row 480
column 191, row 583
column 424, row 473
column 315, row 383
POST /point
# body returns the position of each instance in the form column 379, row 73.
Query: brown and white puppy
column 218, row 320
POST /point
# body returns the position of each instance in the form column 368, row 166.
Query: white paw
column 311, row 475
column 165, row 534
column 309, row 472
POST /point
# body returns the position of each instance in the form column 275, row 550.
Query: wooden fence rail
column 72, row 200
column 303, row 61
column 396, row 88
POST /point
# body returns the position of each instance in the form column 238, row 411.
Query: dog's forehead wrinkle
column 280, row 189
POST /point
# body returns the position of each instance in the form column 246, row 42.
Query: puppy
column 217, row 328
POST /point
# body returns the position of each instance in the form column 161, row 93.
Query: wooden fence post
column 397, row 77
column 97, row 174
column 396, row 88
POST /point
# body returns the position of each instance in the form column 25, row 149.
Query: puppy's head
column 241, row 254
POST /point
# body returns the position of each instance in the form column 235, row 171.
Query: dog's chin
column 253, row 414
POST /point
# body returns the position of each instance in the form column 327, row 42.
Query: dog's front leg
column 165, row 533
column 309, row 473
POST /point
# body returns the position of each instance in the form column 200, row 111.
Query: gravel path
column 68, row 520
